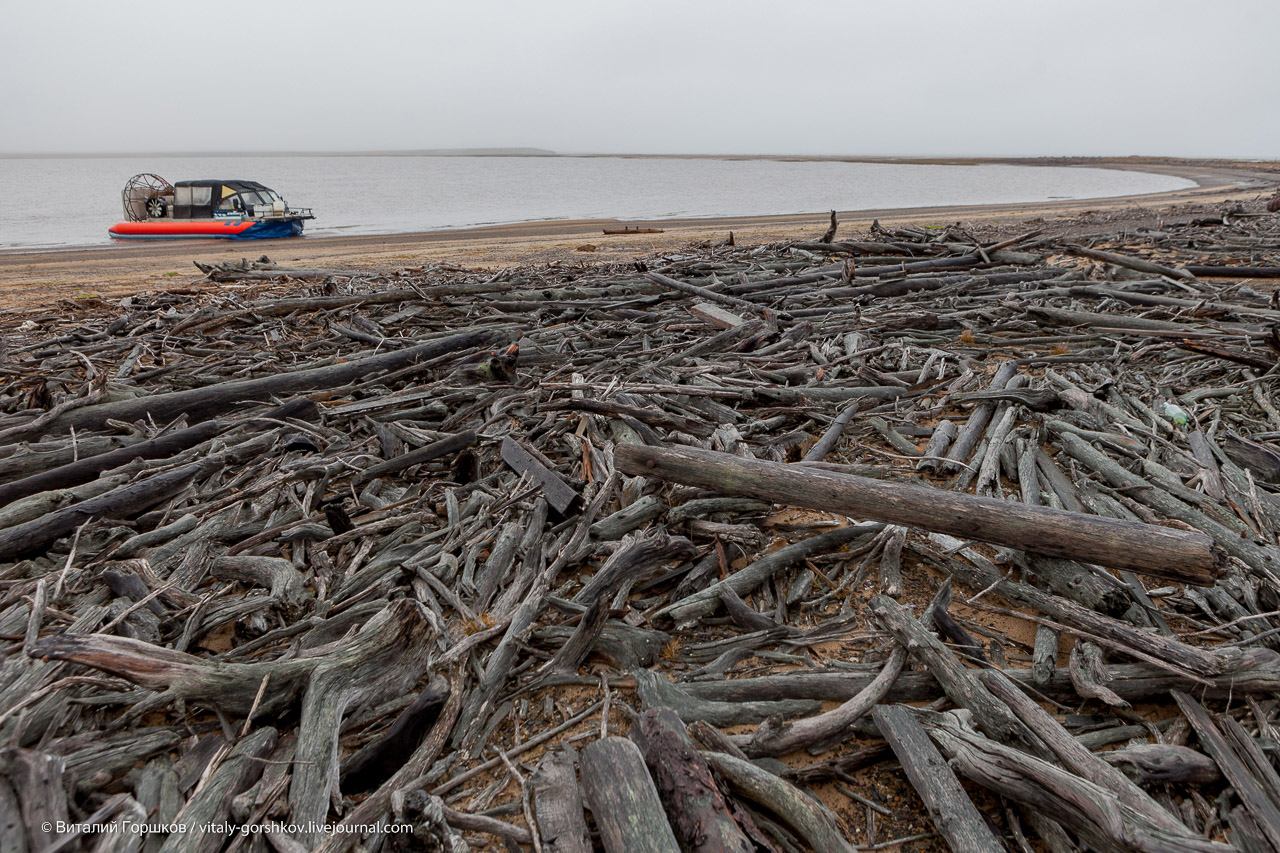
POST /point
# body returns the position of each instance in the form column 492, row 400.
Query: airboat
column 233, row 210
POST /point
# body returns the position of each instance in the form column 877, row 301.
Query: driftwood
column 1253, row 793
column 1092, row 812
column 241, row 766
column 805, row 816
column 558, row 800
column 1162, row 552
column 951, row 809
column 373, row 765
column 623, row 799
column 700, row 816
column 830, row 726
column 364, row 608
column 237, row 688
column 201, row 403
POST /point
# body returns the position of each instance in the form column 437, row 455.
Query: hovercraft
column 230, row 210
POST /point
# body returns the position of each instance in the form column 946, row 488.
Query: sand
column 38, row 281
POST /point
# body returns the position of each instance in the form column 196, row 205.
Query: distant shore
column 34, row 278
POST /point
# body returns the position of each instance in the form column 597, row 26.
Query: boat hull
column 197, row 229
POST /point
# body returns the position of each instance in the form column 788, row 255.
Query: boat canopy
column 202, row 199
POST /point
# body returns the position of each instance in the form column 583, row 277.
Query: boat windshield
column 245, row 200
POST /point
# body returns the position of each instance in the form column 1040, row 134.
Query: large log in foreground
column 1178, row 555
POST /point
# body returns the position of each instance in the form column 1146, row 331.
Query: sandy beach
column 34, row 281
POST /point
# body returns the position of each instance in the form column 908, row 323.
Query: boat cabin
column 209, row 199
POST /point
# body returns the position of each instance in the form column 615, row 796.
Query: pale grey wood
column 952, row 811
column 1160, row 551
column 623, row 799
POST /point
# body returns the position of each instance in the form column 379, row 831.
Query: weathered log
column 652, row 417
column 444, row 447
column 623, row 799
column 278, row 575
column 952, row 811
column 1219, row 271
column 829, row 726
column 1074, row 757
column 1128, row 262
column 637, row 557
column 1092, row 812
column 557, row 800
column 960, row 683
column 628, row 518
column 1090, row 676
column 212, row 803
column 1169, row 652
column 121, row 502
column 36, row 778
column 408, row 777
column 801, row 813
column 831, row 435
column 1252, row 756
column 714, row 296
column 232, row 687
column 1163, row 763
column 1135, row 682
column 75, row 473
column 1159, row 551
column 633, row 561
column 971, row 433
column 749, row 577
column 656, row 691
column 1265, row 811
column 199, row 404
column 392, row 656
column 939, row 441
column 698, row 813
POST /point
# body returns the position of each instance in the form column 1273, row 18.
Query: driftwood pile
column 688, row 554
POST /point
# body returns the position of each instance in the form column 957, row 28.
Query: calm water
column 72, row 202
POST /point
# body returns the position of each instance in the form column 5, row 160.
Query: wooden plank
column 714, row 315
column 557, row 492
column 953, row 813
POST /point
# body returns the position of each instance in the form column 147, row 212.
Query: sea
column 62, row 202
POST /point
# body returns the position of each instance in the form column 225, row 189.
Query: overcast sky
column 845, row 77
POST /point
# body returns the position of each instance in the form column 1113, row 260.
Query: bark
column 697, row 808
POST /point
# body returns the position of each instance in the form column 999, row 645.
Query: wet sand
column 35, row 281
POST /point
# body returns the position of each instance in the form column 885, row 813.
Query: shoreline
column 34, row 278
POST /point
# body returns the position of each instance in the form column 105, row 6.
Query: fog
column 923, row 78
